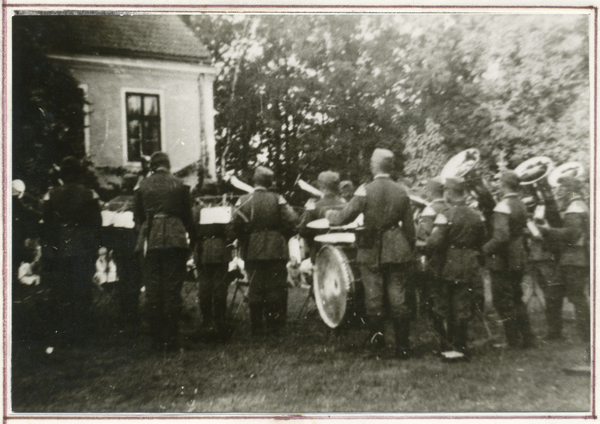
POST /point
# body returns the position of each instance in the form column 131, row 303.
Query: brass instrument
column 464, row 165
column 534, row 174
column 573, row 169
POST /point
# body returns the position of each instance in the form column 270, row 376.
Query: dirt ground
column 309, row 369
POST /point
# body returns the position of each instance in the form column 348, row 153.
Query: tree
column 48, row 113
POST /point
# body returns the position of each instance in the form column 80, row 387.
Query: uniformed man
column 121, row 240
column 457, row 237
column 263, row 222
column 385, row 252
column 574, row 263
column 347, row 190
column 434, row 260
column 72, row 222
column 328, row 182
column 506, row 257
column 163, row 213
column 543, row 260
column 212, row 259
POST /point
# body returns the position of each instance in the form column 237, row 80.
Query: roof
column 164, row 37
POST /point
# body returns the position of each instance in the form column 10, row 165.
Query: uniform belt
column 461, row 248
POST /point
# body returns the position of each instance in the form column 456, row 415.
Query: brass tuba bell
column 534, row 173
column 464, row 165
column 573, row 169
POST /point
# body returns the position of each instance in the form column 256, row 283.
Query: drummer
column 328, row 182
column 385, row 253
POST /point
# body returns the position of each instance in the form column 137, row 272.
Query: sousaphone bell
column 533, row 174
column 464, row 165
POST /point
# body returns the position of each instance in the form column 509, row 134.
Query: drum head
column 333, row 284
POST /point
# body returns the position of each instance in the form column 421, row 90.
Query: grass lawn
column 309, row 369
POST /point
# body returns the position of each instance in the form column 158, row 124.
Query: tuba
column 573, row 169
column 534, row 175
column 464, row 165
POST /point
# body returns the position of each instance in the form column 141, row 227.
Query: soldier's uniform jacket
column 163, row 212
column 212, row 240
column 72, row 221
column 435, row 258
column 458, row 234
column 506, row 250
column 574, row 236
column 263, row 221
column 389, row 234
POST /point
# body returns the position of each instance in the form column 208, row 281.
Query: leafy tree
column 48, row 113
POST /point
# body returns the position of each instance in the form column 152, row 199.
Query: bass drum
column 336, row 287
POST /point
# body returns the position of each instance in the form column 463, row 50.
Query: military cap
column 456, row 185
column 346, row 183
column 160, row 159
column 263, row 176
column 570, row 182
column 329, row 180
column 70, row 168
column 382, row 155
column 510, row 179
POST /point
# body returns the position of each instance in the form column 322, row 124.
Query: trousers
column 166, row 270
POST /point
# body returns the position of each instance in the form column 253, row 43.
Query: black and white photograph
column 299, row 212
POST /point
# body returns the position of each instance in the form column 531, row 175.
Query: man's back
column 163, row 204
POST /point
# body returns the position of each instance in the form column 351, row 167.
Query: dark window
column 143, row 125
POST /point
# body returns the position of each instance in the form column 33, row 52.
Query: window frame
column 125, row 92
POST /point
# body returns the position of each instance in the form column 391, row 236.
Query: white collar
column 382, row 176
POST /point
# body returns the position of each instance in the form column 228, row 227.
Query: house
column 148, row 84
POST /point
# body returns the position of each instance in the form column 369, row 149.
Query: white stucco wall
column 178, row 85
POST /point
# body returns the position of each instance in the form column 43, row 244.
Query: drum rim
column 347, row 269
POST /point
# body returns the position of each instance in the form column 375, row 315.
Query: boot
column 402, row 333
column 220, row 315
column 439, row 327
column 206, row 310
column 511, row 332
column 171, row 333
column 461, row 336
column 256, row 319
column 523, row 327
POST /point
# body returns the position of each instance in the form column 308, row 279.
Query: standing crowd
column 438, row 253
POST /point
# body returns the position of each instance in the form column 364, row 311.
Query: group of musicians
column 454, row 239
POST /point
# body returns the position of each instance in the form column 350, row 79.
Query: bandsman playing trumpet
column 434, row 259
column 263, row 221
column 385, row 252
column 573, row 240
column 456, row 239
column 506, row 259
column 328, row 182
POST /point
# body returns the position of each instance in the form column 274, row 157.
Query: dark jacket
column 506, row 250
column 213, row 239
column 163, row 203
column 574, row 236
column 458, row 235
column 435, row 258
column 389, row 231
column 72, row 221
column 263, row 222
